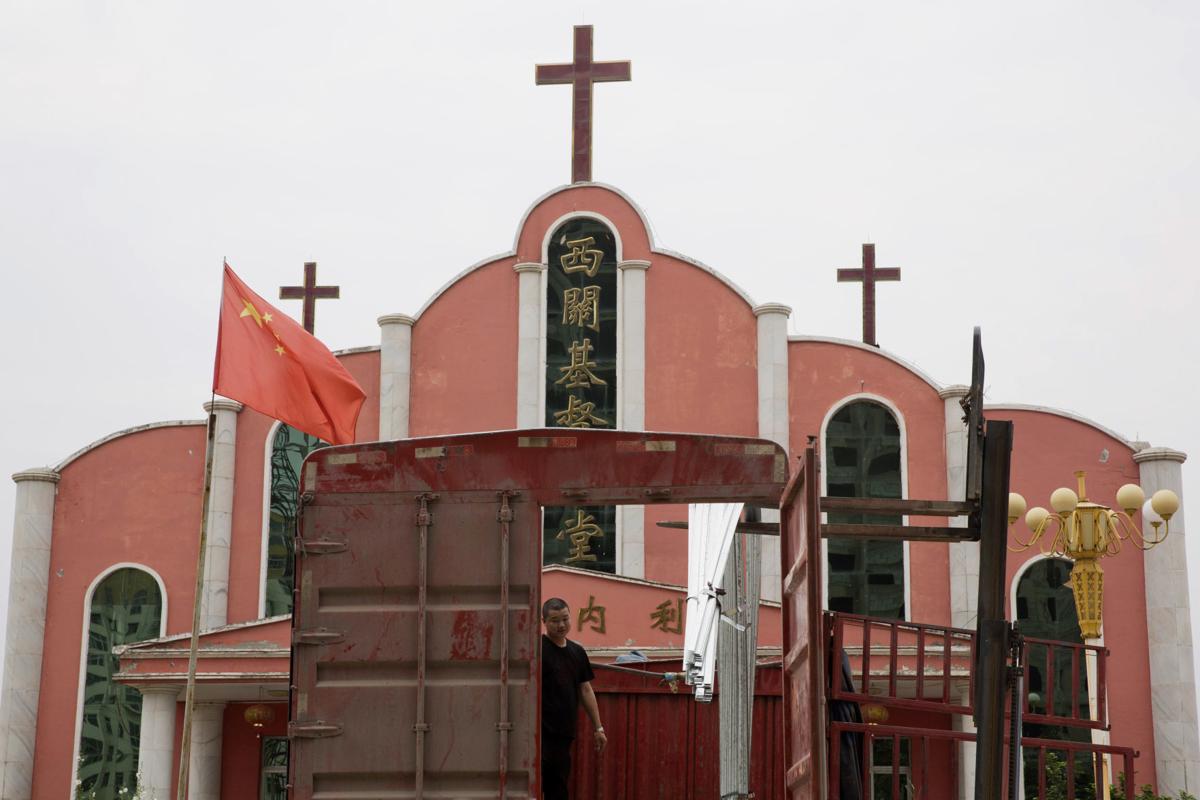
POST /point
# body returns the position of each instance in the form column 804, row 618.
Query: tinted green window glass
column 287, row 453
column 862, row 459
column 126, row 607
column 1046, row 610
column 274, row 768
column 581, row 375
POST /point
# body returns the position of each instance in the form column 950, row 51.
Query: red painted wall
column 464, row 356
column 112, row 501
column 701, row 377
column 1047, row 450
column 822, row 376
column 241, row 750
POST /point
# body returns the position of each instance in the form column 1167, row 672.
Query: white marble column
column 33, row 523
column 214, row 602
column 204, row 767
column 1168, row 623
column 964, row 556
column 631, row 389
column 773, row 420
column 966, row 750
column 395, row 375
column 156, row 753
column 529, row 344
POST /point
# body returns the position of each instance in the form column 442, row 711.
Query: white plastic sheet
column 711, row 529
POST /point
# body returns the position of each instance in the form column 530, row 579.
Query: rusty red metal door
column 416, row 628
column 803, row 669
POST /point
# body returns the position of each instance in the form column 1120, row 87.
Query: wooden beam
column 912, row 533
column 759, row 528
column 887, row 505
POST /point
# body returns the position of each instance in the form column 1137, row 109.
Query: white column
column 966, row 750
column 529, row 344
column 33, row 523
column 395, row 375
column 772, row 416
column 964, row 556
column 156, row 753
column 204, row 768
column 631, row 389
column 214, row 602
column 1168, row 624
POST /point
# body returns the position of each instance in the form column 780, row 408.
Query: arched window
column 1046, row 610
column 126, row 607
column 288, row 449
column 862, row 459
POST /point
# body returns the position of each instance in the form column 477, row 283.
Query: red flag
column 271, row 364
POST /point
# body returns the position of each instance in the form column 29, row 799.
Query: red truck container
column 416, row 630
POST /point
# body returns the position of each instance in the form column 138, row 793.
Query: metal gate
column 803, row 680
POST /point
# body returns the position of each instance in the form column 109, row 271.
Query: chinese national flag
column 266, row 361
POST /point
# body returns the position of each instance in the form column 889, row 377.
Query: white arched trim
column 580, row 214
column 1058, row 412
column 265, row 539
column 176, row 423
column 645, row 224
column 895, row 412
column 568, row 187
column 937, row 387
column 83, row 644
column 1020, row 573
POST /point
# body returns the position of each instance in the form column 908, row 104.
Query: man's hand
column 601, row 740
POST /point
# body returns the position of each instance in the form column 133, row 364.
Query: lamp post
column 1086, row 532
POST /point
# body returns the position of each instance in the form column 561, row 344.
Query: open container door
column 803, row 669
column 415, row 657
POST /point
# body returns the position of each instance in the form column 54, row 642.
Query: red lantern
column 258, row 714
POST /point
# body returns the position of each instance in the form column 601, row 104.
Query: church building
column 584, row 321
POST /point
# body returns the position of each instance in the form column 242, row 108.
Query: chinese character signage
column 581, row 375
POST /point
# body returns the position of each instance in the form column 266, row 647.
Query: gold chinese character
column 582, row 307
column 579, row 373
column 578, row 414
column 582, row 257
column 666, row 618
column 580, row 531
column 593, row 615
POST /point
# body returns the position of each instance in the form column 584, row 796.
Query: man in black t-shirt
column 566, row 680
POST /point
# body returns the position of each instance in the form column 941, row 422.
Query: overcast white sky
column 1032, row 167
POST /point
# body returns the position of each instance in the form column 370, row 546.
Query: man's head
column 556, row 617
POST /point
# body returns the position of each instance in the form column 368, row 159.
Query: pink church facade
column 692, row 353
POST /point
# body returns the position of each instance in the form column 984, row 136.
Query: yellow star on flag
column 267, row 317
column 279, row 350
column 251, row 311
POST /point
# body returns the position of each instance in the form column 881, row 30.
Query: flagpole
column 185, row 747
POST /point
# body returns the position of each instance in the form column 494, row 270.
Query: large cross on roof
column 869, row 275
column 581, row 74
column 309, row 293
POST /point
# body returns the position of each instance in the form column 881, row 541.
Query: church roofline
column 175, row 423
column 1071, row 415
column 564, row 188
column 879, row 351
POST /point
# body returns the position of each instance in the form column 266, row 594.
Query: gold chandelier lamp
column 1086, row 532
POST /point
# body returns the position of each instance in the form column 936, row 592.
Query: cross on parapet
column 581, row 74
column 309, row 293
column 868, row 275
